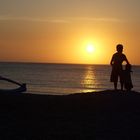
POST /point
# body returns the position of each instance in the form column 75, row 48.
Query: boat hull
column 20, row 89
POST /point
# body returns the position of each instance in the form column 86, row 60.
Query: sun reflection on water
column 89, row 80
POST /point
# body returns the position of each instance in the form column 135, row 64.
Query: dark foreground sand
column 105, row 115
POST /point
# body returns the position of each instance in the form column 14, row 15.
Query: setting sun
column 90, row 48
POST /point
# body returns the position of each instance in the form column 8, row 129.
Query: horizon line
column 61, row 63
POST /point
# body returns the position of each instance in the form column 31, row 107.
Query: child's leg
column 121, row 85
column 122, row 80
column 115, row 85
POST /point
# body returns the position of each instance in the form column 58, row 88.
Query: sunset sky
column 60, row 31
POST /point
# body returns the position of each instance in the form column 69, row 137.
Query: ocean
column 61, row 79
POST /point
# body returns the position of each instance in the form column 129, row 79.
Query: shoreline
column 99, row 115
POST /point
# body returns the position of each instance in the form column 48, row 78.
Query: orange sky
column 59, row 32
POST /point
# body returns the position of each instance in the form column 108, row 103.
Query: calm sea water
column 58, row 79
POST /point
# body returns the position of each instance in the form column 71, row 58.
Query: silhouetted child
column 127, row 77
column 117, row 70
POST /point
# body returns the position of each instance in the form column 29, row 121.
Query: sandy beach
column 111, row 115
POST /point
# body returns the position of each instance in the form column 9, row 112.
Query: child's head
column 119, row 48
column 128, row 67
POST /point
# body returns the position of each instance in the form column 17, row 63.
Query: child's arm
column 112, row 61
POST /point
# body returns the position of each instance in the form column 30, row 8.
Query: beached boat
column 21, row 88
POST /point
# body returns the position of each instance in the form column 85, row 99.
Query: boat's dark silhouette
column 21, row 88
